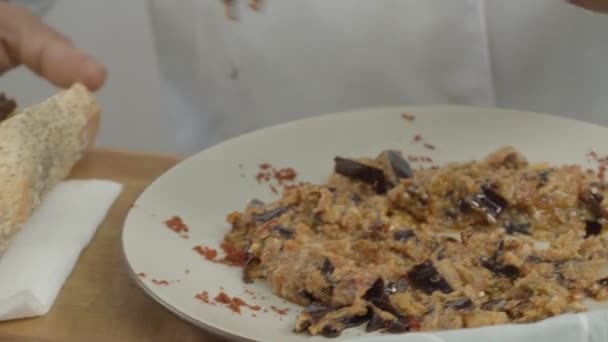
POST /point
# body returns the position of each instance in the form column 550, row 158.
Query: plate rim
column 283, row 125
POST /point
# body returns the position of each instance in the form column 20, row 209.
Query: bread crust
column 38, row 148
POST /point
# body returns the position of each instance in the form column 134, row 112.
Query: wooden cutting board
column 99, row 301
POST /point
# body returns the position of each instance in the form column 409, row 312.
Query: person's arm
column 26, row 40
column 598, row 6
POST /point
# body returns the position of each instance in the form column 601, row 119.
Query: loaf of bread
column 38, row 147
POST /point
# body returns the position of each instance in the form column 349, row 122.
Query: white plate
column 203, row 189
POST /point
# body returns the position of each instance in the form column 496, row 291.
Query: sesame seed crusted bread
column 38, row 148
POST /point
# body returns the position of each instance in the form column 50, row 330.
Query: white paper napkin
column 43, row 254
column 584, row 327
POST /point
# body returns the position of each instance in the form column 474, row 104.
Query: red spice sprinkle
column 408, row 117
column 417, row 138
column 160, row 282
column 286, row 174
column 414, row 324
column 429, row 146
column 177, row 225
column 235, row 303
column 209, row 253
column 279, row 311
column 141, row 275
column 234, row 257
column 203, row 297
column 276, row 178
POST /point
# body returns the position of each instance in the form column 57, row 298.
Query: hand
column 598, row 6
column 26, row 40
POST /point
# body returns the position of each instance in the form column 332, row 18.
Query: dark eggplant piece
column 327, row 268
column 256, row 203
column 459, row 304
column 359, row 171
column 398, row 326
column 397, row 286
column 285, row 233
column 394, row 326
column 593, row 199
column 355, row 321
column 401, row 168
column 403, row 235
column 490, row 202
column 543, row 177
column 302, row 325
column 499, row 249
column 331, row 332
column 394, row 167
column 355, row 198
column 519, row 228
column 508, row 271
column 426, row 277
column 463, row 206
column 269, row 215
column 603, row 282
column 375, row 323
column 494, row 305
column 592, row 228
column 375, row 291
column 251, row 266
column 305, row 294
column 316, row 311
column 378, row 296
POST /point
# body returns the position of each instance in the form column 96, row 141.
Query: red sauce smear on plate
column 176, row 224
column 204, row 297
column 280, row 311
column 234, row 303
column 160, row 282
column 276, row 177
column 208, row 253
column 408, row 117
column 234, row 256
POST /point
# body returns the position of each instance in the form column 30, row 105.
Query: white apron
column 300, row 58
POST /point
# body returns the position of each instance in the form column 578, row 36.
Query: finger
column 6, row 62
column 29, row 41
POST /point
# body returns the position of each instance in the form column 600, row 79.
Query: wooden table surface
column 99, row 301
